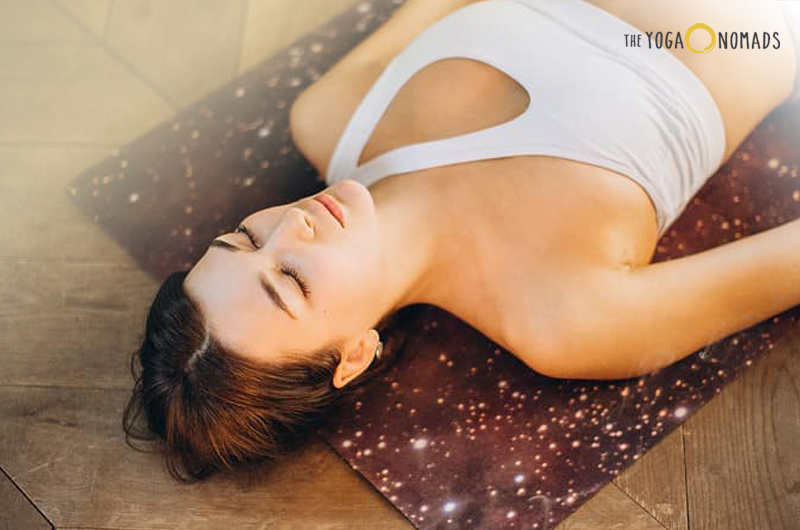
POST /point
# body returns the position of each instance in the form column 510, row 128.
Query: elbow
column 587, row 360
column 551, row 358
column 558, row 366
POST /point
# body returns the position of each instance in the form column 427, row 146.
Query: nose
column 294, row 225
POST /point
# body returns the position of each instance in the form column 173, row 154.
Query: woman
column 511, row 161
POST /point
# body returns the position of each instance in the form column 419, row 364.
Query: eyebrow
column 265, row 283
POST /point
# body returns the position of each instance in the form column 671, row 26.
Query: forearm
column 739, row 283
column 650, row 317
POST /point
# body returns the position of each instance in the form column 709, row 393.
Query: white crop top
column 637, row 111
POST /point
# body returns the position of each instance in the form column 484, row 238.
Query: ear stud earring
column 378, row 350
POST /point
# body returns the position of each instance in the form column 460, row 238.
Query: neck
column 418, row 234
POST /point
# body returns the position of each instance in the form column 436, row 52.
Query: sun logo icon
column 710, row 31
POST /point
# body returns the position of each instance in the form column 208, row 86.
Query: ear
column 356, row 357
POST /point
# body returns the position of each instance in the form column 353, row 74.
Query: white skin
column 382, row 259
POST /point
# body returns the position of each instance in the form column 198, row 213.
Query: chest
column 527, row 231
column 530, row 226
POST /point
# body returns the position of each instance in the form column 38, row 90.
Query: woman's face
column 303, row 283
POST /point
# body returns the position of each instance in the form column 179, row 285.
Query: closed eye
column 290, row 271
column 286, row 269
column 243, row 229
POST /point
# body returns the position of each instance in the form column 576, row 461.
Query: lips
column 332, row 206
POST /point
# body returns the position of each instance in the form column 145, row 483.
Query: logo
column 723, row 39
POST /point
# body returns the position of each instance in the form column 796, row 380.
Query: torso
column 607, row 219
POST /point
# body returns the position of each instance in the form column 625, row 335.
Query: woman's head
column 293, row 279
column 214, row 410
column 228, row 377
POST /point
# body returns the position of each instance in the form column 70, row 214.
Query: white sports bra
column 637, row 111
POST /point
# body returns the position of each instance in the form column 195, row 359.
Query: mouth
column 332, row 206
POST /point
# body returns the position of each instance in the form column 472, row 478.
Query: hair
column 210, row 410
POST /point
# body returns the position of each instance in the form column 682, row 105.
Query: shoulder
column 555, row 338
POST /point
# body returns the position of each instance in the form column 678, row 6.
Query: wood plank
column 70, row 323
column 37, row 217
column 88, row 98
column 36, row 22
column 16, row 512
column 78, row 470
column 38, row 61
column 741, row 448
column 185, row 48
column 657, row 482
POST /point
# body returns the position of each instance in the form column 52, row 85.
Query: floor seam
column 645, row 510
column 67, row 387
column 25, row 495
column 57, row 145
column 122, row 264
column 117, row 57
column 685, row 477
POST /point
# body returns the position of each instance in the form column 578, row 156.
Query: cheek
column 349, row 271
column 345, row 265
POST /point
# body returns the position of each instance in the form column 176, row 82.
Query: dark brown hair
column 210, row 410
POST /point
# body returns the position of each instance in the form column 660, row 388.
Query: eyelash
column 243, row 229
column 285, row 269
column 288, row 269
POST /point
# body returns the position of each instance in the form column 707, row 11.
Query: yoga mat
column 458, row 433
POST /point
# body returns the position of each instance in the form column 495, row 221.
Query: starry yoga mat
column 457, row 433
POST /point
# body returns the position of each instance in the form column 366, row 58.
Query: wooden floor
column 80, row 78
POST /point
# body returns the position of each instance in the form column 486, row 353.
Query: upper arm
column 625, row 323
column 318, row 116
column 320, row 112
